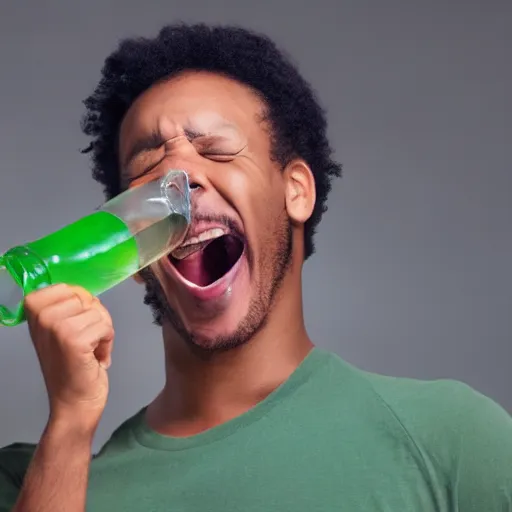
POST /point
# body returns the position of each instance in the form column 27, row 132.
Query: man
column 252, row 416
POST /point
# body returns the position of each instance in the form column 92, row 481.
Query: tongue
column 209, row 264
column 194, row 270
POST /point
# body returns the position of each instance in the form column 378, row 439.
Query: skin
column 222, row 356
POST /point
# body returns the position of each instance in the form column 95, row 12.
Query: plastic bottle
column 125, row 235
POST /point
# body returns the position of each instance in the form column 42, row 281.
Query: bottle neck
column 21, row 272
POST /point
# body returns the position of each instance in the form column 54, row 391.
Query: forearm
column 56, row 479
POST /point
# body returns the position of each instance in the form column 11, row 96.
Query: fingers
column 57, row 300
column 48, row 316
column 84, row 296
column 70, row 329
column 103, row 352
column 78, row 320
column 99, row 337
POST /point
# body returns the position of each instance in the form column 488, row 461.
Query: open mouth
column 205, row 262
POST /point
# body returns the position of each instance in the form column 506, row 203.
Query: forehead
column 196, row 101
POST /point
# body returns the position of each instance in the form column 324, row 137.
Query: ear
column 300, row 191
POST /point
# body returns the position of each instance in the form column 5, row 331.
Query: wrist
column 71, row 430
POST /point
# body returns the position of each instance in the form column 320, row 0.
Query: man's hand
column 73, row 336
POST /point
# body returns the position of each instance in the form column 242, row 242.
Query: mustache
column 231, row 224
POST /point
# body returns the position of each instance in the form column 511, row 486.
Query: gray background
column 412, row 276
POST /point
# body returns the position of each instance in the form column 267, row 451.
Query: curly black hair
column 298, row 124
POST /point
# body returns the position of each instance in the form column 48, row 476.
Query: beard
column 277, row 260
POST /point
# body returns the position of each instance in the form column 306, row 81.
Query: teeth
column 205, row 235
column 196, row 243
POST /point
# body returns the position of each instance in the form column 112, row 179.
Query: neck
column 204, row 391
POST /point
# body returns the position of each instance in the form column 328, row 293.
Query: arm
column 483, row 476
column 463, row 438
column 56, row 479
column 72, row 334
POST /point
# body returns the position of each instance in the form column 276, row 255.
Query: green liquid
column 96, row 253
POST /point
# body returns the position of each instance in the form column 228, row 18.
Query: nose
column 182, row 155
column 197, row 180
column 197, row 184
column 197, row 175
column 194, row 185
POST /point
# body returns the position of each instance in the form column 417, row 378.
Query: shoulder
column 422, row 403
column 441, row 409
column 462, row 437
column 14, row 461
column 459, row 432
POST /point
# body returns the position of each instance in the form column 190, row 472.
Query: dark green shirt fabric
column 331, row 438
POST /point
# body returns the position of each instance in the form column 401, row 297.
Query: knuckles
column 44, row 319
column 65, row 329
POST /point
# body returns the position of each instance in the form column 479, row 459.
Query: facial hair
column 278, row 250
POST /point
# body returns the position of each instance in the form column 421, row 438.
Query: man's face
column 217, row 289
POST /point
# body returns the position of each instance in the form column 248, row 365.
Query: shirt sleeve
column 463, row 437
column 14, row 460
column 482, row 440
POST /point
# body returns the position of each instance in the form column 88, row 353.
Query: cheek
column 254, row 185
column 265, row 220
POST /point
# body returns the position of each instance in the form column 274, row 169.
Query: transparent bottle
column 125, row 235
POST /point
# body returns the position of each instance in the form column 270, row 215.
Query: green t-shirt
column 331, row 438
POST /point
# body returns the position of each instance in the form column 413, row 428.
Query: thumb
column 103, row 352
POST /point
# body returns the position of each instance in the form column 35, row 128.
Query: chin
column 231, row 326
column 213, row 323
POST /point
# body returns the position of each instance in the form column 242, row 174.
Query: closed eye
column 220, row 156
column 130, row 179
